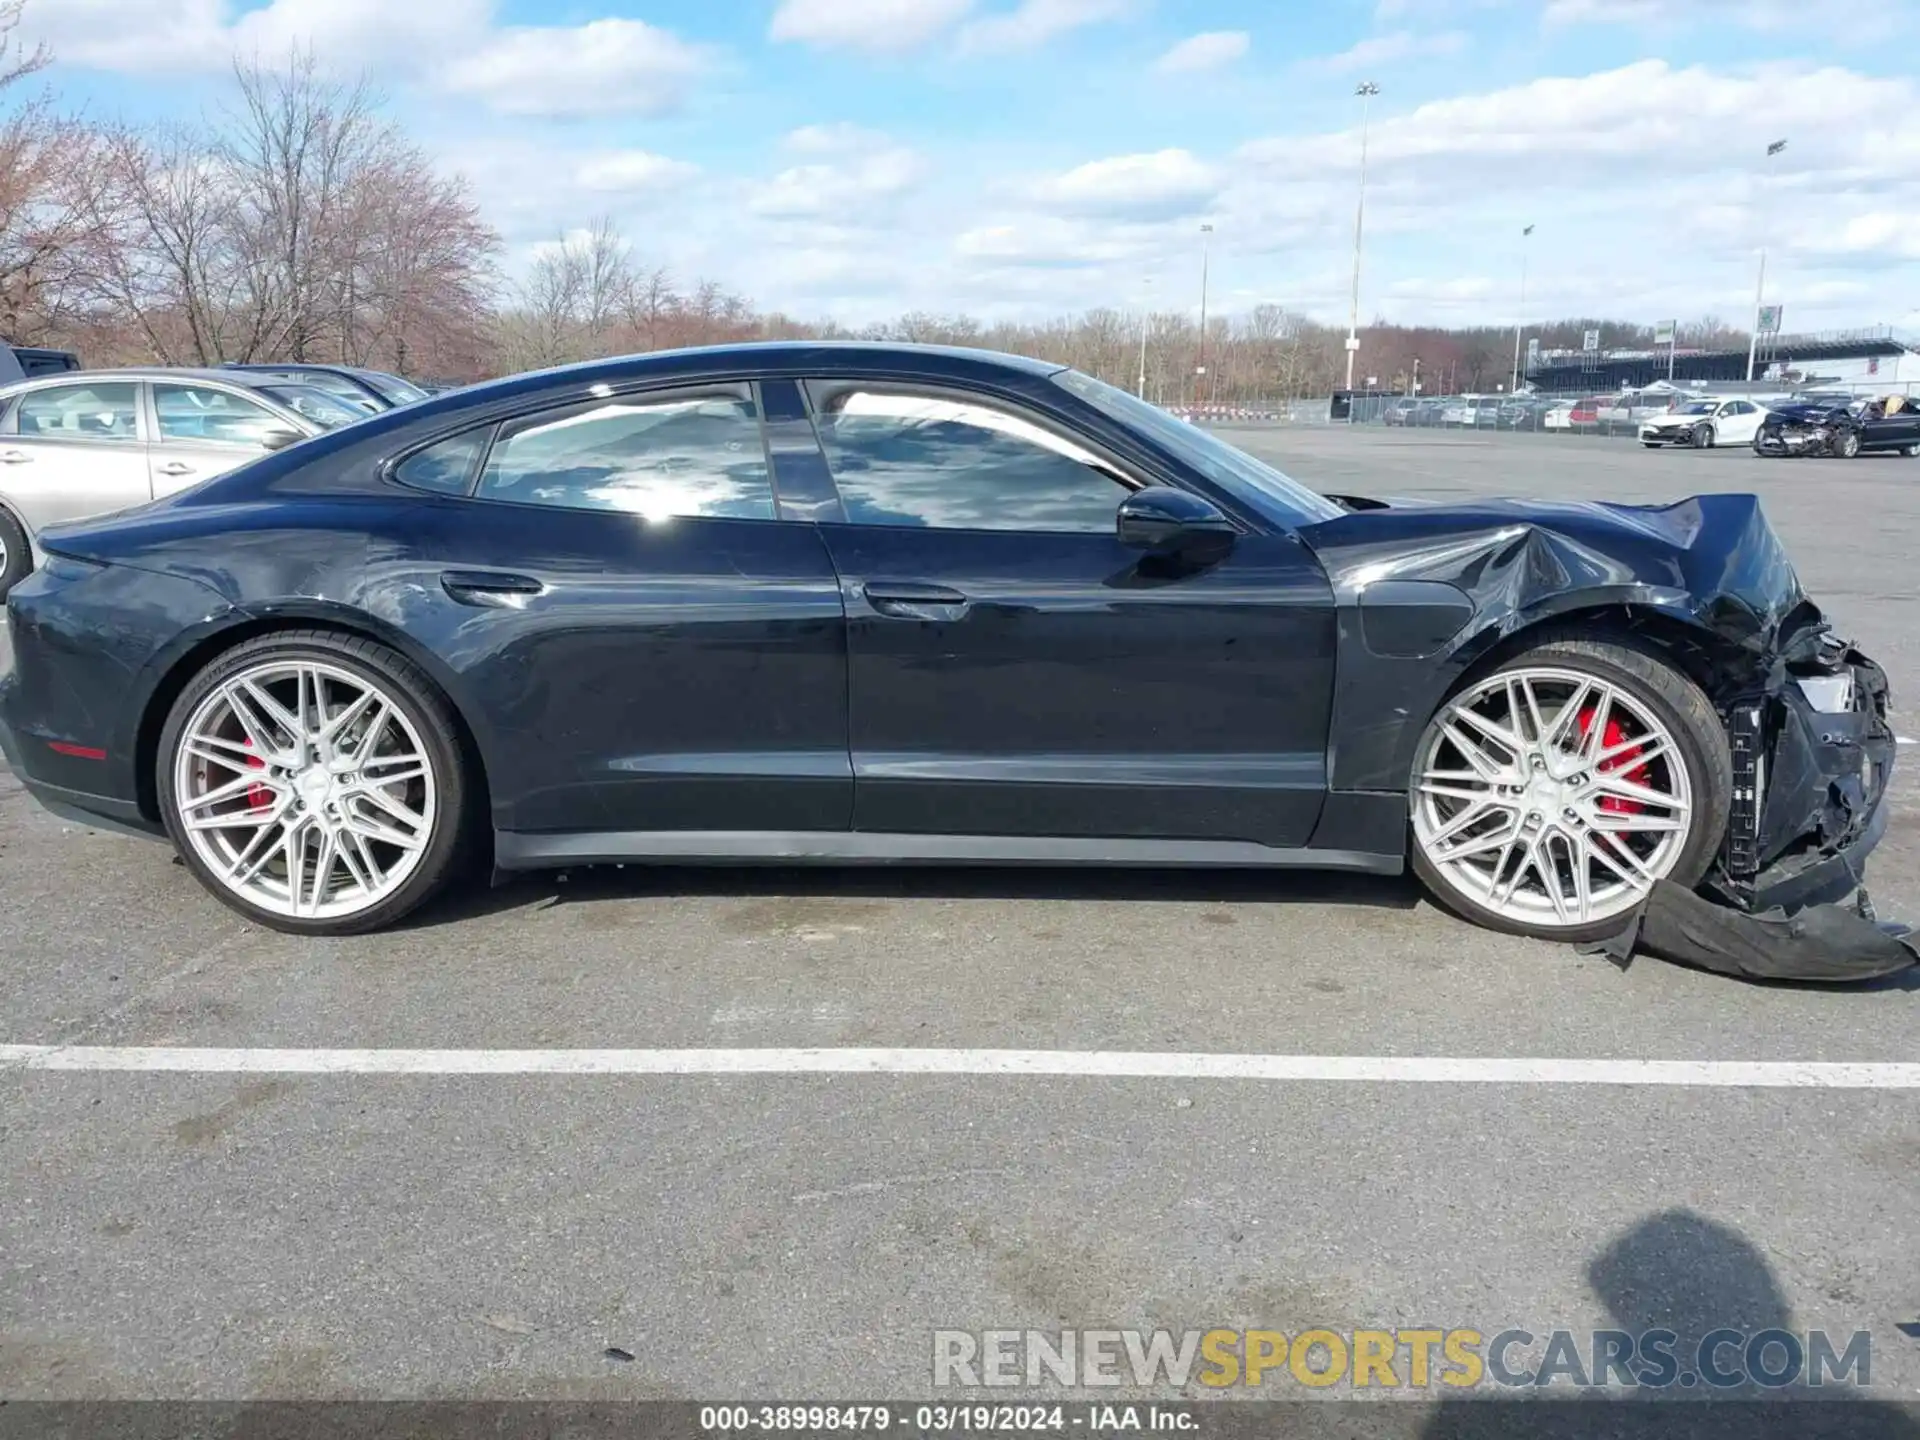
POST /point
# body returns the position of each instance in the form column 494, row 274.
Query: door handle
column 175, row 467
column 15, row 457
column 488, row 587
column 914, row 600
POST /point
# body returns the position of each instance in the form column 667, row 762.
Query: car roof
column 140, row 372
column 773, row 357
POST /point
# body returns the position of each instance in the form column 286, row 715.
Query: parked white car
column 1706, row 422
column 1560, row 417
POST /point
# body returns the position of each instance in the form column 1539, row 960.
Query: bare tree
column 47, row 180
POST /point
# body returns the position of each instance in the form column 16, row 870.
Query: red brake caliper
column 259, row 797
column 1612, row 734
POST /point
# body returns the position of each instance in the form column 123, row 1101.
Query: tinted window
column 445, row 467
column 316, row 405
column 657, row 458
column 338, row 386
column 80, row 412
column 201, row 414
column 401, row 392
column 904, row 459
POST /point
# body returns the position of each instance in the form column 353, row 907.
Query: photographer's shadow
column 1680, row 1271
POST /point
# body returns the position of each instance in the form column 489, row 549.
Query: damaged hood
column 1711, row 561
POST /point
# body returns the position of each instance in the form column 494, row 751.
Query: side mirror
column 1164, row 521
column 279, row 438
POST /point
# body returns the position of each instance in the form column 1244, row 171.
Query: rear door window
column 647, row 455
column 103, row 411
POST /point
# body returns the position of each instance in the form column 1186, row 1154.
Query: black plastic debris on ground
column 1833, row 943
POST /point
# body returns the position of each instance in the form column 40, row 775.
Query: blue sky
column 858, row 158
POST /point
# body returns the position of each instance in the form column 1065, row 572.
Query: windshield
column 1234, row 471
column 316, row 405
column 1698, row 407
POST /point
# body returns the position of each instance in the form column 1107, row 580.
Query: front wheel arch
column 1652, row 679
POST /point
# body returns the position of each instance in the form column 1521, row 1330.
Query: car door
column 201, row 431
column 1737, row 422
column 73, row 450
column 1015, row 670
column 651, row 648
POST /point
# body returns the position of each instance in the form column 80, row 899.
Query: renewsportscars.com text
column 1401, row 1359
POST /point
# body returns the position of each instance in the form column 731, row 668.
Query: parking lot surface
column 221, row 1235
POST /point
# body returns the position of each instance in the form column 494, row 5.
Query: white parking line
column 1109, row 1064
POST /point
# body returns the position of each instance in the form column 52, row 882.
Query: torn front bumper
column 1787, row 899
column 1813, row 756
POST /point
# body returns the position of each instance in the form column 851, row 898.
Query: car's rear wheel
column 16, row 553
column 1912, row 452
column 313, row 782
column 1550, row 793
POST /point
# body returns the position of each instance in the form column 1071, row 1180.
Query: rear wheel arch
column 208, row 650
column 17, row 542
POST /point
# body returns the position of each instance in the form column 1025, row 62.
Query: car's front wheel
column 1846, row 444
column 1703, row 437
column 1550, row 793
column 313, row 782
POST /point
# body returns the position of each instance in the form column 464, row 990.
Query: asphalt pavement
column 225, row 1236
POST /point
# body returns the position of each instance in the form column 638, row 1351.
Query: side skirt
column 514, row 850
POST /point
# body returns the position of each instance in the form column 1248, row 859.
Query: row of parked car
column 1665, row 416
column 1604, row 414
column 77, row 442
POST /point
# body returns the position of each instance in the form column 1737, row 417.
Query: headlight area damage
column 1706, row 581
column 1786, row 899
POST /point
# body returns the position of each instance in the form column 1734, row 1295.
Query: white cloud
column 1206, row 51
column 1396, row 45
column 376, row 33
column 1163, row 183
column 856, row 170
column 880, row 26
column 1048, row 241
column 175, row 36
column 604, row 67
column 631, row 172
column 1035, row 22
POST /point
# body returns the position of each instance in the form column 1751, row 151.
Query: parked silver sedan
column 92, row 441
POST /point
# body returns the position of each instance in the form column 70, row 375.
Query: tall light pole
column 1366, row 90
column 1200, row 367
column 1513, row 386
column 1760, row 285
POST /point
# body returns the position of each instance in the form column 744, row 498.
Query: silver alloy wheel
column 305, row 789
column 1550, row 797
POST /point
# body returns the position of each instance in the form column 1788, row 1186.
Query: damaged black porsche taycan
column 863, row 603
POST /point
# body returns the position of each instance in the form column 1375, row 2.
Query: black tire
column 1688, row 715
column 1912, row 452
column 424, row 706
column 1845, row 445
column 1703, row 437
column 16, row 552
